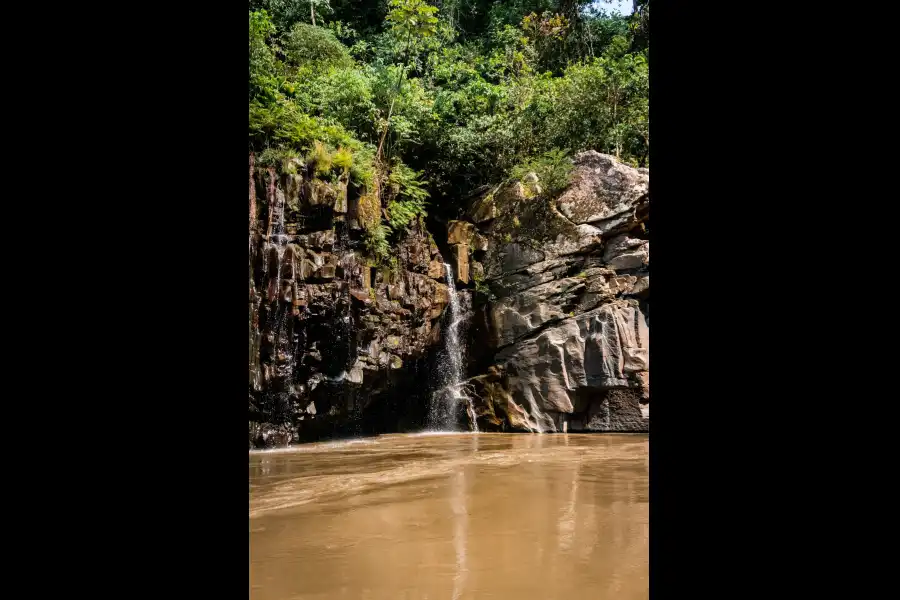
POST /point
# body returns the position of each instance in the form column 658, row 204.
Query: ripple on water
column 442, row 514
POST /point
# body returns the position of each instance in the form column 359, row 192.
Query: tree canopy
column 457, row 94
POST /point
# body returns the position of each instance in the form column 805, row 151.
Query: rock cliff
column 337, row 345
column 555, row 289
column 564, row 284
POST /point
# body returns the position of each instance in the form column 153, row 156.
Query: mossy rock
column 369, row 211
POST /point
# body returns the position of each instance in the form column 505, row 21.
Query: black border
column 163, row 333
column 173, row 364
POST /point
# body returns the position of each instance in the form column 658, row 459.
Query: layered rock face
column 564, row 332
column 555, row 289
column 336, row 345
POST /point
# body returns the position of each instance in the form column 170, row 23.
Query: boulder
column 436, row 270
column 460, row 232
column 479, row 242
column 461, row 256
column 623, row 253
column 484, row 210
column 604, row 192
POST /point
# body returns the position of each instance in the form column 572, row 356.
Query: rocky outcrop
column 565, row 283
column 335, row 342
column 554, row 292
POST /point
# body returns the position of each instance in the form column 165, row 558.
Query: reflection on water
column 452, row 516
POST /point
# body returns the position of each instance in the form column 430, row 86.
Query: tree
column 466, row 93
column 414, row 22
column 641, row 24
column 286, row 13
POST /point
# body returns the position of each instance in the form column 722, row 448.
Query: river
column 452, row 516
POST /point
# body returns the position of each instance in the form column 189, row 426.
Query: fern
column 362, row 171
column 410, row 200
column 343, row 159
column 320, row 157
column 376, row 244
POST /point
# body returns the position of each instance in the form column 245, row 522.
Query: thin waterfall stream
column 442, row 415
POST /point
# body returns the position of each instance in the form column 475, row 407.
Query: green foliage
column 552, row 168
column 512, row 12
column 362, row 171
column 342, row 158
column 403, row 212
column 410, row 200
column 481, row 287
column 277, row 157
column 412, row 20
column 603, row 104
column 545, row 32
column 307, row 45
column 342, row 31
column 377, row 245
column 597, row 32
column 320, row 158
column 468, row 94
column 263, row 81
column 287, row 12
column 283, row 122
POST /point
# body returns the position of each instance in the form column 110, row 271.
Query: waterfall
column 274, row 334
column 442, row 415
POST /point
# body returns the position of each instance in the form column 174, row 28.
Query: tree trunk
column 312, row 12
column 394, row 99
column 615, row 121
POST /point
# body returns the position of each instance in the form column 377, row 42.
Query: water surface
column 474, row 516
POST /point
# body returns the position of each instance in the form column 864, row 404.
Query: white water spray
column 446, row 399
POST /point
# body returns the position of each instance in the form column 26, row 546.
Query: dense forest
column 419, row 104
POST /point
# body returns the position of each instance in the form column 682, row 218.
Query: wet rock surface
column 337, row 345
column 554, row 291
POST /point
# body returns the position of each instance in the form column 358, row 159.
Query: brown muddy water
column 452, row 516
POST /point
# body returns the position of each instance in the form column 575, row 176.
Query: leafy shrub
column 282, row 123
column 320, row 158
column 276, row 157
column 343, row 95
column 553, row 169
column 262, row 56
column 305, row 45
column 287, row 12
column 403, row 212
column 342, row 159
column 409, row 202
column 481, row 287
column 362, row 171
column 377, row 245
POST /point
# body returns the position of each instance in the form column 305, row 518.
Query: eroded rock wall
column 556, row 289
column 337, row 345
column 565, row 289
